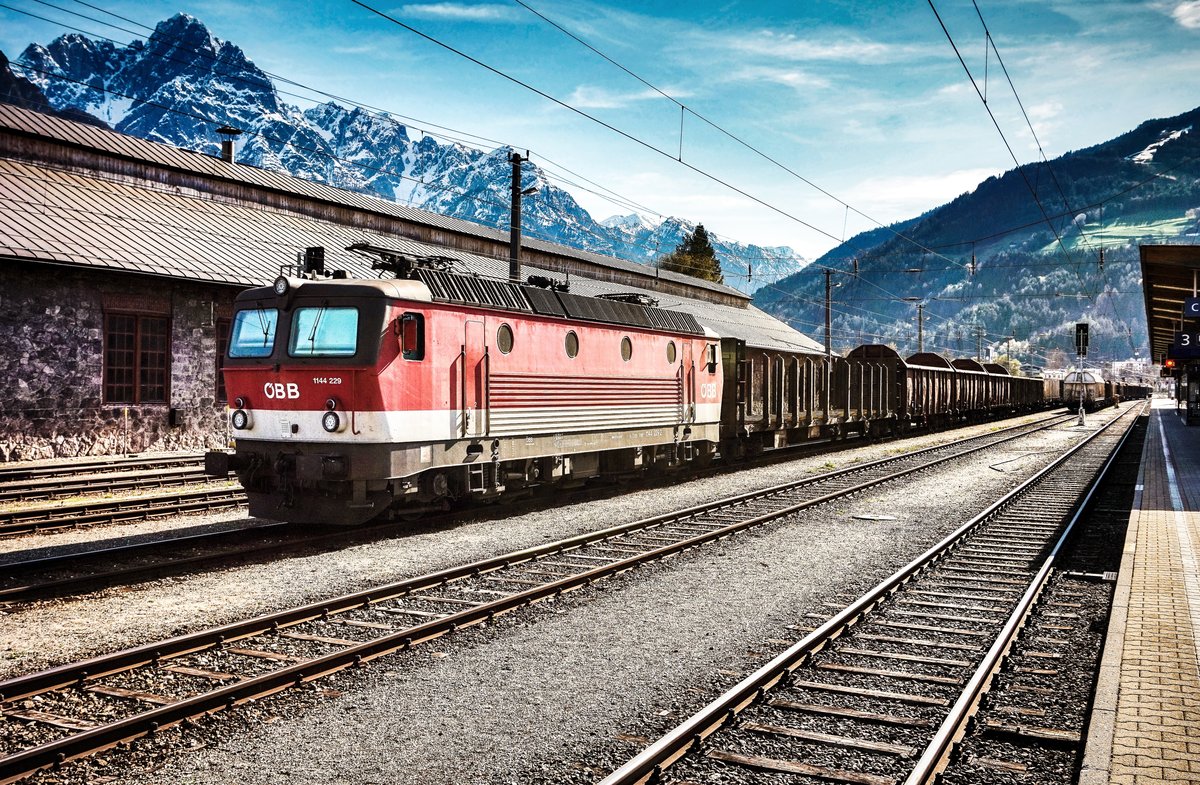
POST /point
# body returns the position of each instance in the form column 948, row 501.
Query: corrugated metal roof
column 72, row 218
column 133, row 148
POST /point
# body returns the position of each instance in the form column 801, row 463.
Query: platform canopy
column 1170, row 276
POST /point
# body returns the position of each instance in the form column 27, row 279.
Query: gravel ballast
column 547, row 694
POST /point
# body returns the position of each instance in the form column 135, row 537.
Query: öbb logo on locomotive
column 279, row 390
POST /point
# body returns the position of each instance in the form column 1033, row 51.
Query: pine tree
column 694, row 256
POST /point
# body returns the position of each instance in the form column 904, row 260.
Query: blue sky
column 867, row 101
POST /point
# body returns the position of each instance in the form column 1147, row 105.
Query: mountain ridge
column 1019, row 255
column 182, row 83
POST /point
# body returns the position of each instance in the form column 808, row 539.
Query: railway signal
column 1081, row 347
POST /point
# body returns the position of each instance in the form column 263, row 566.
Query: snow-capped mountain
column 182, row 84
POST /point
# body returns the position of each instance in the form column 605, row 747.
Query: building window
column 137, row 358
column 223, row 326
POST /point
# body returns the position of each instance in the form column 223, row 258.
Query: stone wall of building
column 52, row 364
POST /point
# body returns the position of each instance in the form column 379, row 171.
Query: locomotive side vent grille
column 474, row 291
column 544, row 301
column 676, row 321
column 489, row 293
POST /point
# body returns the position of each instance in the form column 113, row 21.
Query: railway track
column 1032, row 722
column 97, row 511
column 65, row 470
column 27, row 579
column 880, row 693
column 20, row 485
column 76, row 710
column 83, row 482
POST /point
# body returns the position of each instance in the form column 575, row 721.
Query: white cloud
column 788, row 77
column 892, row 198
column 788, row 46
column 592, row 97
column 461, row 12
column 1187, row 14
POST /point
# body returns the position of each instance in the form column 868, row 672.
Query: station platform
column 1145, row 725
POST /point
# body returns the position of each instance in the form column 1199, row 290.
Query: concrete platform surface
column 1145, row 725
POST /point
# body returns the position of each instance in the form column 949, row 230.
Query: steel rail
column 22, row 471
column 103, row 665
column 9, row 570
column 24, row 763
column 78, row 485
column 648, row 766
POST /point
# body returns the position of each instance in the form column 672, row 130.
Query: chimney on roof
column 229, row 134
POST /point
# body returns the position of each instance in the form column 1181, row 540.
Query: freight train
column 354, row 399
column 1087, row 388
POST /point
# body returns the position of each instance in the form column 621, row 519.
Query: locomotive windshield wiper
column 262, row 322
column 312, row 334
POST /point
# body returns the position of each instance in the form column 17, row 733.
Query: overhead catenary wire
column 684, row 109
column 1008, row 146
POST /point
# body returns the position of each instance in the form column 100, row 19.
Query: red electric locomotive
column 349, row 399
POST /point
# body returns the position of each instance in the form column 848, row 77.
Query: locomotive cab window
column 626, row 349
column 253, row 332
column 671, row 352
column 571, row 344
column 324, row 332
column 710, row 355
column 411, row 327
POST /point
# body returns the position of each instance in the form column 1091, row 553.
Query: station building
column 120, row 259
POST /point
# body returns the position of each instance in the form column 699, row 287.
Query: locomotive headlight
column 239, row 402
column 281, row 286
column 331, row 403
column 240, row 419
column 331, row 422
